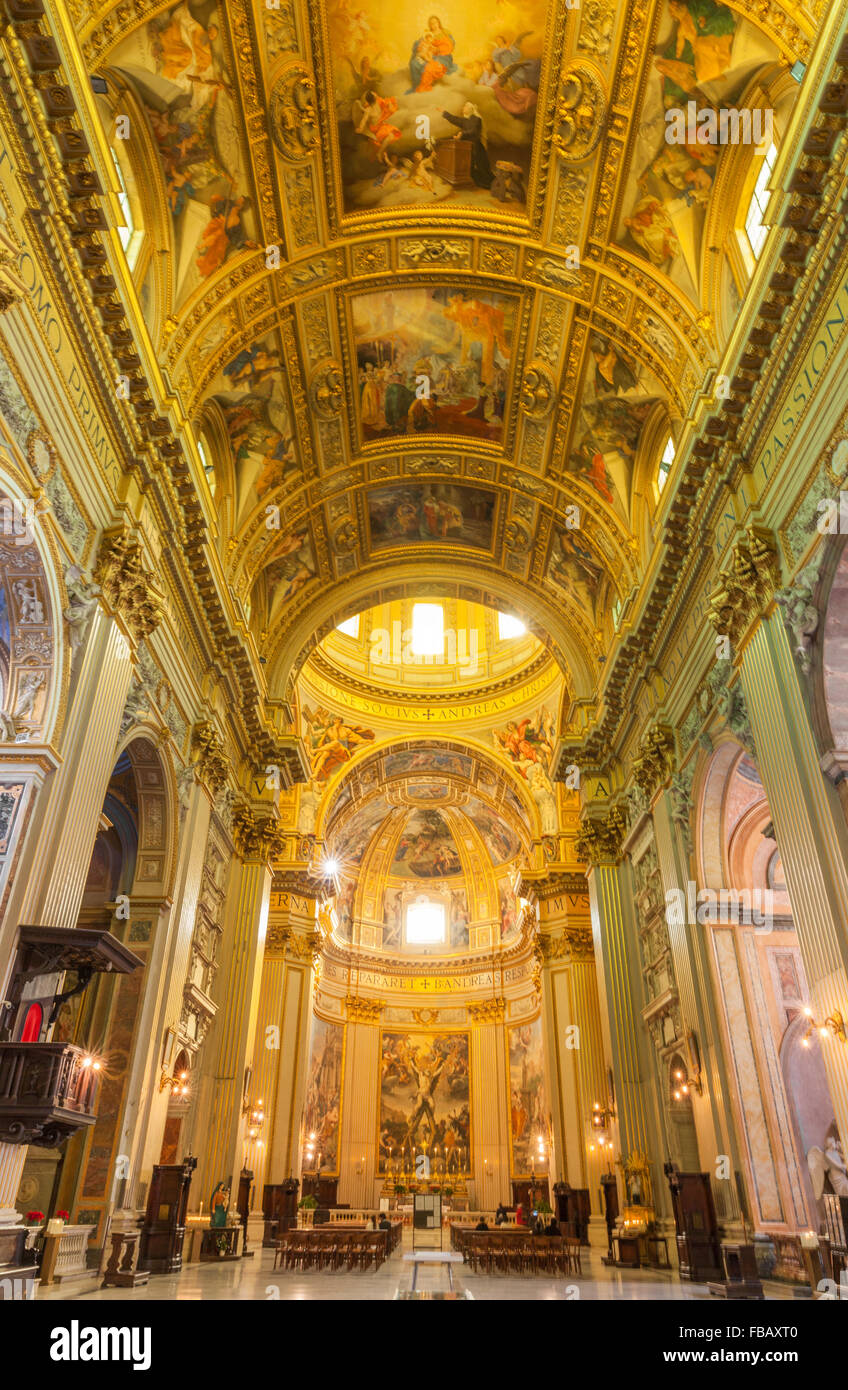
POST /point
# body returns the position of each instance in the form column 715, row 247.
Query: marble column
column 218, row 1124
column 810, row 831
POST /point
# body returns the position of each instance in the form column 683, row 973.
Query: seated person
column 482, row 1224
column 385, row 1223
column 501, row 1215
column 370, row 1224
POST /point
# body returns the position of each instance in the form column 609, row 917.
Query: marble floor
column 254, row 1279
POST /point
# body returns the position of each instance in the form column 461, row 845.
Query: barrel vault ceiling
column 313, row 260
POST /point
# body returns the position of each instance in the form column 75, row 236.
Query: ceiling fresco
column 433, row 288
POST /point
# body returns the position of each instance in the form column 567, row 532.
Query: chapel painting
column 409, row 514
column 177, row 66
column 706, row 54
column 433, row 359
column 427, row 758
column 436, row 108
column 616, row 398
column 324, row 1093
column 424, row 1098
column 426, row 848
column 528, row 1106
column 578, row 573
column 499, row 838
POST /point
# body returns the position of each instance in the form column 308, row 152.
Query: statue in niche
column 827, row 1167
column 219, row 1204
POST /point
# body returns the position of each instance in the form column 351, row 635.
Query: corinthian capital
column 600, row 839
column 740, row 595
column 128, row 588
column 256, row 837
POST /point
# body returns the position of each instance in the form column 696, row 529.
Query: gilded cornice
column 746, row 589
column 549, row 885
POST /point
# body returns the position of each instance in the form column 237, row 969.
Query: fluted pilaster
column 219, row 1120
column 810, row 833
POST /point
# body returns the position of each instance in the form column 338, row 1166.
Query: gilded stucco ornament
column 800, row 613
column 209, row 759
column 12, row 288
column 326, row 390
column 580, row 115
column 293, row 118
column 363, row 1010
column 256, row 837
column 345, row 538
column 127, row 587
column 655, row 763
column 538, row 391
column 517, row 537
column 740, row 595
column 488, row 1011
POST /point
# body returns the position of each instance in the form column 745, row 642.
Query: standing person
column 520, row 1218
column 500, row 1214
column 470, row 125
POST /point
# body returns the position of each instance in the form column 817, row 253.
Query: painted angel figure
column 375, row 124
column 419, row 166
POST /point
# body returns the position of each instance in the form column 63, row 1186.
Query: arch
column 370, row 764
column 710, row 789
column 156, row 855
column 345, row 597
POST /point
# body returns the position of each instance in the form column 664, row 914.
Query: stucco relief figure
column 82, row 601
column 30, row 607
column 828, row 1168
column 27, row 692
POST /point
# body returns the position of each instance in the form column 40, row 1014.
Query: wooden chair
column 280, row 1248
column 573, row 1248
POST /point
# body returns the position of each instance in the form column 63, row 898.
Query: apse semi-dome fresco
column 424, row 664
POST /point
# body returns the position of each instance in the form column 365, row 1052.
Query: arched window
column 665, row 464
column 755, row 227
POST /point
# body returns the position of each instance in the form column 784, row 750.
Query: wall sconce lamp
column 600, row 1117
column 256, row 1120
column 833, row 1026
column 178, row 1084
column 681, row 1089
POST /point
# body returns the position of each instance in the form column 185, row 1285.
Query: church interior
column 423, row 650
